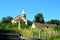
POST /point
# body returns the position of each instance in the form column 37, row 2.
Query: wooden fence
column 13, row 36
column 41, row 36
column 10, row 36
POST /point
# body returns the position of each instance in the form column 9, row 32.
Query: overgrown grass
column 48, row 33
column 44, row 33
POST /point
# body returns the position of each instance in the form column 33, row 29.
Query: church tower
column 23, row 14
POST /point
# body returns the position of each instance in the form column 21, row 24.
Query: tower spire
column 23, row 11
column 23, row 14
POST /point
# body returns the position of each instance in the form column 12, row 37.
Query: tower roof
column 23, row 11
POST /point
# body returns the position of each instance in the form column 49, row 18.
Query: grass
column 56, row 39
column 49, row 33
column 27, row 32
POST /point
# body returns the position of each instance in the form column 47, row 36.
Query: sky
column 49, row 8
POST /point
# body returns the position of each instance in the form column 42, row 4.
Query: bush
column 23, row 25
column 57, row 28
column 8, row 26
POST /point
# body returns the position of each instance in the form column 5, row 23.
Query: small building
column 20, row 18
column 41, row 25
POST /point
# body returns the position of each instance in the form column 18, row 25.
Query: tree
column 0, row 24
column 29, row 23
column 39, row 18
column 54, row 21
column 6, row 19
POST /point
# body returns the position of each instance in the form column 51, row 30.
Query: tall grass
column 39, row 33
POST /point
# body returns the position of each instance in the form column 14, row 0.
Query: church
column 20, row 18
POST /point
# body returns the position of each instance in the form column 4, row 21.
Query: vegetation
column 8, row 26
column 39, row 18
column 57, row 28
column 29, row 23
column 53, row 21
column 6, row 19
column 23, row 25
column 48, row 33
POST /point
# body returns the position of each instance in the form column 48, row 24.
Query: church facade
column 20, row 18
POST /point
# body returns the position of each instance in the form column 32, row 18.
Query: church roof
column 18, row 18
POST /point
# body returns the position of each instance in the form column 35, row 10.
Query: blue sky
column 49, row 8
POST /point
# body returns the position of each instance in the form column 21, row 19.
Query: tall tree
column 39, row 18
column 6, row 19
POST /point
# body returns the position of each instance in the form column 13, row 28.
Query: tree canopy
column 39, row 18
column 6, row 19
column 29, row 23
column 54, row 21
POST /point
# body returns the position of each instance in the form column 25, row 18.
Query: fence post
column 56, row 33
column 50, row 35
column 39, row 34
column 46, row 34
column 32, row 34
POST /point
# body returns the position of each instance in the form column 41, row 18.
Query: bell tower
column 23, row 14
